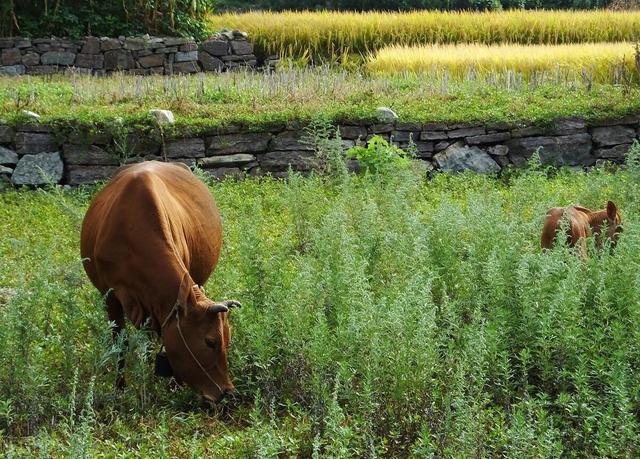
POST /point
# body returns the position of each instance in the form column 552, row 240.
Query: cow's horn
column 216, row 308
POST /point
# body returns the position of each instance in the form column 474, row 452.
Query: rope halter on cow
column 176, row 311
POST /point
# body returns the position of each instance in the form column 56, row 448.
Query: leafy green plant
column 379, row 155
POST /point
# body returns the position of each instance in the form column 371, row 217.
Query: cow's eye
column 211, row 343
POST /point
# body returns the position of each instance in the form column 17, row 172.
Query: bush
column 77, row 18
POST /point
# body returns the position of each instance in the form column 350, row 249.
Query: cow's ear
column 612, row 211
column 216, row 308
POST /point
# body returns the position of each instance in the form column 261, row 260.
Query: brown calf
column 583, row 223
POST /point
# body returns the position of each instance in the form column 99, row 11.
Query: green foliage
column 383, row 315
column 77, row 18
column 379, row 156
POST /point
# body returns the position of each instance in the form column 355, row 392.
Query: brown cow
column 582, row 223
column 149, row 239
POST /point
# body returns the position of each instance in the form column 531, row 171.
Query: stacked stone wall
column 26, row 150
column 133, row 55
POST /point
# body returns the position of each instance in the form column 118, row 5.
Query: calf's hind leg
column 116, row 315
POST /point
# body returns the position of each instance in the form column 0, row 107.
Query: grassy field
column 256, row 100
column 383, row 316
column 602, row 62
column 326, row 35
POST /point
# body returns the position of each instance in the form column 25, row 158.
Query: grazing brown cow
column 582, row 223
column 149, row 239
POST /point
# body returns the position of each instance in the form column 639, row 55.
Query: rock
column 424, row 149
column 386, row 115
column 134, row 44
column 40, row 169
column 612, row 135
column 186, row 67
column 423, row 167
column 433, row 135
column 58, row 58
column 528, row 131
column 568, row 126
column 80, row 175
column 12, row 70
column 568, row 150
column 163, row 116
column 30, row 143
column 108, row 44
column 466, row 132
column 617, row 152
column 31, row 59
column 11, row 56
column 118, row 59
column 498, row 150
column 6, row 133
column 79, row 154
column 225, row 172
column 174, row 41
column 152, row 60
column 209, row 63
column 185, row 148
column 279, row 161
column 186, row 56
column 42, row 70
column 216, row 47
column 404, row 136
column 6, row 171
column 488, row 138
column 238, row 143
column 31, row 115
column 8, row 157
column 381, row 128
column 227, row 160
column 353, row 132
column 188, row 47
column 91, row 46
column 460, row 157
column 90, row 61
column 241, row 47
column 291, row 140
column 631, row 120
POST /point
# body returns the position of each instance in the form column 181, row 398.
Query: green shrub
column 379, row 156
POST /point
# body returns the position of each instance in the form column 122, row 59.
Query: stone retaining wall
column 134, row 55
column 27, row 150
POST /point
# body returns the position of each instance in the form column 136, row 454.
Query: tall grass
column 603, row 62
column 384, row 315
column 331, row 35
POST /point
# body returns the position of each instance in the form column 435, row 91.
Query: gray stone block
column 58, row 58
column 241, row 47
column 91, row 46
column 460, row 157
column 90, row 61
column 465, row 132
column 353, row 132
column 118, row 59
column 618, row 152
column 186, row 67
column 108, row 44
column 153, row 60
column 11, row 56
column 134, row 44
column 238, row 143
column 488, row 138
column 216, row 47
column 209, row 63
column 227, row 160
column 185, row 148
column 87, row 155
column 7, row 134
column 12, row 70
column 433, row 135
column 291, row 140
column 612, row 135
column 8, row 157
column 186, row 56
column 30, row 143
column 84, row 175
column 40, row 169
column 280, row 161
column 569, row 150
column 31, row 59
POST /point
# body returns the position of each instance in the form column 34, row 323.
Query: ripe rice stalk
column 325, row 34
column 603, row 62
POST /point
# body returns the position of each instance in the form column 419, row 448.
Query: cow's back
column 148, row 221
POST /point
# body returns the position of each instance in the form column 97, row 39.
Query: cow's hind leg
column 116, row 315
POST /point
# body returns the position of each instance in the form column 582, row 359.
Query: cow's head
column 196, row 341
column 614, row 223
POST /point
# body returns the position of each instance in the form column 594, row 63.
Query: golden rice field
column 328, row 34
column 602, row 62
